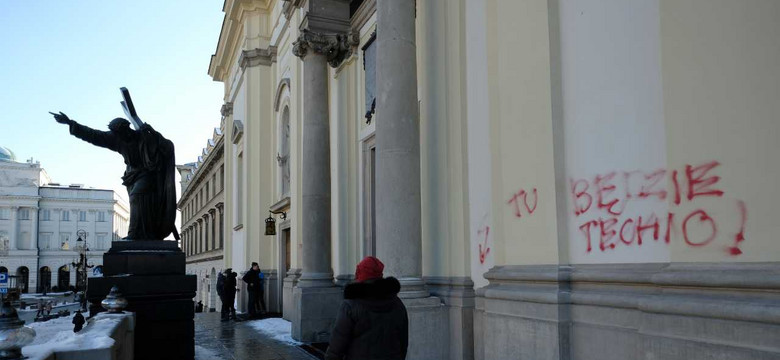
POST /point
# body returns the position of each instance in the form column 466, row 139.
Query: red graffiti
column 483, row 252
column 698, row 228
column 515, row 200
column 740, row 236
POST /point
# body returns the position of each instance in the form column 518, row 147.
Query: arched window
column 23, row 279
column 44, row 279
column 63, row 278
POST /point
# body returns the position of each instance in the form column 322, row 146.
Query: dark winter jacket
column 371, row 324
column 220, row 285
column 253, row 281
column 229, row 289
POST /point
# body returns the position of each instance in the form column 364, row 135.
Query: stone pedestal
column 317, row 308
column 428, row 328
column 151, row 276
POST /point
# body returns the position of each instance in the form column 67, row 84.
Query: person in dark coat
column 78, row 321
column 254, row 284
column 229, row 295
column 372, row 322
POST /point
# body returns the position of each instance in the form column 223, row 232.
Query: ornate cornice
column 289, row 7
column 335, row 47
column 255, row 57
column 227, row 109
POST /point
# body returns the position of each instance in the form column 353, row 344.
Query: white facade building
column 39, row 222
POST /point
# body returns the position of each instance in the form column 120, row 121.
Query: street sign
column 3, row 290
column 3, row 280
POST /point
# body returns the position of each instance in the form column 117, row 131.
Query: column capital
column 336, row 47
column 254, row 57
column 227, row 109
column 220, row 206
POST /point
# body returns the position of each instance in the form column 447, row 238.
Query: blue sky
column 73, row 56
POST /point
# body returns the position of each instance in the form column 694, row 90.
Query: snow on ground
column 57, row 335
column 202, row 353
column 277, row 328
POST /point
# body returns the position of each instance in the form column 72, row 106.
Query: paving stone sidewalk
column 216, row 340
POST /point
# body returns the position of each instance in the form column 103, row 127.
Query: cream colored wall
column 686, row 88
column 721, row 84
column 521, row 133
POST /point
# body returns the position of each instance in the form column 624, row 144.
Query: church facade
column 41, row 222
column 548, row 179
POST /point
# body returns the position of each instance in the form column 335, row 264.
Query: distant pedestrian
column 228, row 294
column 199, row 307
column 372, row 322
column 78, row 321
column 254, row 284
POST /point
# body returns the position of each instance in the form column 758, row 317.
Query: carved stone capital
column 258, row 56
column 227, row 109
column 335, row 47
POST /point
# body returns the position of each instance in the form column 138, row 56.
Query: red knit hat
column 369, row 268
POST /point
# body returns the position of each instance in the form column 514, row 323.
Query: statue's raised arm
column 104, row 139
column 149, row 172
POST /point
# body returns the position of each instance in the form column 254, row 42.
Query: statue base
column 151, row 276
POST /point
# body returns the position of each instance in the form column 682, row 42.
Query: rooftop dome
column 6, row 154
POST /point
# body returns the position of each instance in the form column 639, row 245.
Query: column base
column 315, row 312
column 428, row 329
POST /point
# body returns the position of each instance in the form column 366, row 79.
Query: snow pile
column 57, row 335
column 276, row 328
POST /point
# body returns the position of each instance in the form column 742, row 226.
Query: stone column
column 14, row 228
column 315, row 296
column 206, row 218
column 398, row 225
column 315, row 157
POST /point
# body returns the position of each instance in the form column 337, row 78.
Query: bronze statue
column 149, row 175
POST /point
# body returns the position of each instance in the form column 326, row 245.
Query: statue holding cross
column 149, row 173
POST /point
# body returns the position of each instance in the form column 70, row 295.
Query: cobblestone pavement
column 216, row 340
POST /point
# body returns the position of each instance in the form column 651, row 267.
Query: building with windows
column 40, row 223
column 548, row 179
column 201, row 205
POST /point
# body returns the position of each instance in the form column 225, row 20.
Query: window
column 222, row 177
column 44, row 241
column 284, row 157
column 46, row 215
column 214, row 184
column 101, row 216
column 24, row 214
column 101, row 241
column 240, row 189
column 82, row 216
column 369, row 66
column 207, row 191
column 5, row 213
column 64, row 241
column 65, row 215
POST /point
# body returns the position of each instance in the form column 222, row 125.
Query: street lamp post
column 81, row 266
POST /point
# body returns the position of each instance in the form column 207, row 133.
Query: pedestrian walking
column 78, row 321
column 228, row 294
column 372, row 322
column 254, row 284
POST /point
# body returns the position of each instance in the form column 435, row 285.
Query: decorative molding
column 730, row 291
column 289, row 7
column 335, row 47
column 238, row 130
column 279, row 88
column 255, row 57
column 227, row 109
column 282, row 205
column 363, row 14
